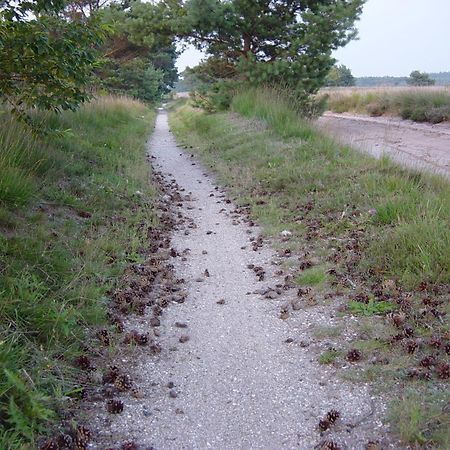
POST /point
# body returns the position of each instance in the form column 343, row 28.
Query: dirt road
column 419, row 146
column 232, row 374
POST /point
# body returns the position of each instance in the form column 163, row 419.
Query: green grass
column 61, row 248
column 418, row 104
column 328, row 356
column 421, row 416
column 315, row 276
column 369, row 221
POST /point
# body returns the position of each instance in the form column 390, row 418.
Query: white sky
column 395, row 37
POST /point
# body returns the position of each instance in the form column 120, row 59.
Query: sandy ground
column 241, row 377
column 418, row 146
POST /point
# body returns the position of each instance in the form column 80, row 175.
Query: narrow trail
column 417, row 146
column 236, row 383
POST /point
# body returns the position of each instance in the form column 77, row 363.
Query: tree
column 417, row 78
column 284, row 41
column 139, row 56
column 47, row 60
column 340, row 76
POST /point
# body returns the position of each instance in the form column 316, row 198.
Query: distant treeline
column 442, row 78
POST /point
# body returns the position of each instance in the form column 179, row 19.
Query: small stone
column 184, row 338
column 204, row 252
column 179, row 411
column 221, row 302
column 199, row 280
column 170, row 385
column 289, row 340
column 173, row 393
column 181, row 325
column 155, row 322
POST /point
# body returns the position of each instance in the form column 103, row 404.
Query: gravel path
column 236, row 383
column 419, row 146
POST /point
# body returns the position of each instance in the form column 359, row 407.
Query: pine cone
column 114, row 406
column 82, row 362
column 354, row 355
column 333, row 415
column 411, row 346
column 83, row 434
column 130, row 445
column 123, row 382
column 435, row 342
column 428, row 361
column 110, row 375
column 50, row 445
column 324, row 424
column 443, row 371
column 79, row 444
column 328, row 445
column 103, row 337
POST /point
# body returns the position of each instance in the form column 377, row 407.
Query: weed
column 371, row 308
column 312, row 277
column 328, row 356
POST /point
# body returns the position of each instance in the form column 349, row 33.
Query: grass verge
column 365, row 231
column 72, row 204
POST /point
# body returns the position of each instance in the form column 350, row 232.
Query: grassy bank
column 417, row 104
column 72, row 204
column 372, row 242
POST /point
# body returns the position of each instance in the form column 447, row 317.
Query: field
column 372, row 240
column 419, row 104
column 71, row 205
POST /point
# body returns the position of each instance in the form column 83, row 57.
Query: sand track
column 418, row 146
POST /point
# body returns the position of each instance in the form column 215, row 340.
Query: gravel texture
column 226, row 377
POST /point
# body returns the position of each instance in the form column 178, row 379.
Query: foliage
column 370, row 308
column 272, row 42
column 417, row 78
column 46, row 60
column 139, row 56
column 340, row 76
column 56, row 266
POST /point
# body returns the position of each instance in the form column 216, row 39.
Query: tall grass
column 417, row 104
column 61, row 249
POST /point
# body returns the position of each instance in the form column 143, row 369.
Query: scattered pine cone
column 408, row 331
column 123, row 383
column 130, row 445
column 328, row 445
column 435, row 342
column 447, row 348
column 411, row 346
column 110, row 375
column 83, row 434
column 49, row 445
column 333, row 415
column 443, row 371
column 79, row 444
column 324, row 424
column 114, row 406
column 354, row 355
column 428, row 361
column 103, row 337
column 82, row 362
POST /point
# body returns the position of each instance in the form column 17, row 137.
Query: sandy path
column 420, row 146
column 237, row 383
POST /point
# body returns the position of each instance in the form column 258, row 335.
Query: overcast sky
column 395, row 37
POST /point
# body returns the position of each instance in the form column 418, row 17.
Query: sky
column 395, row 38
